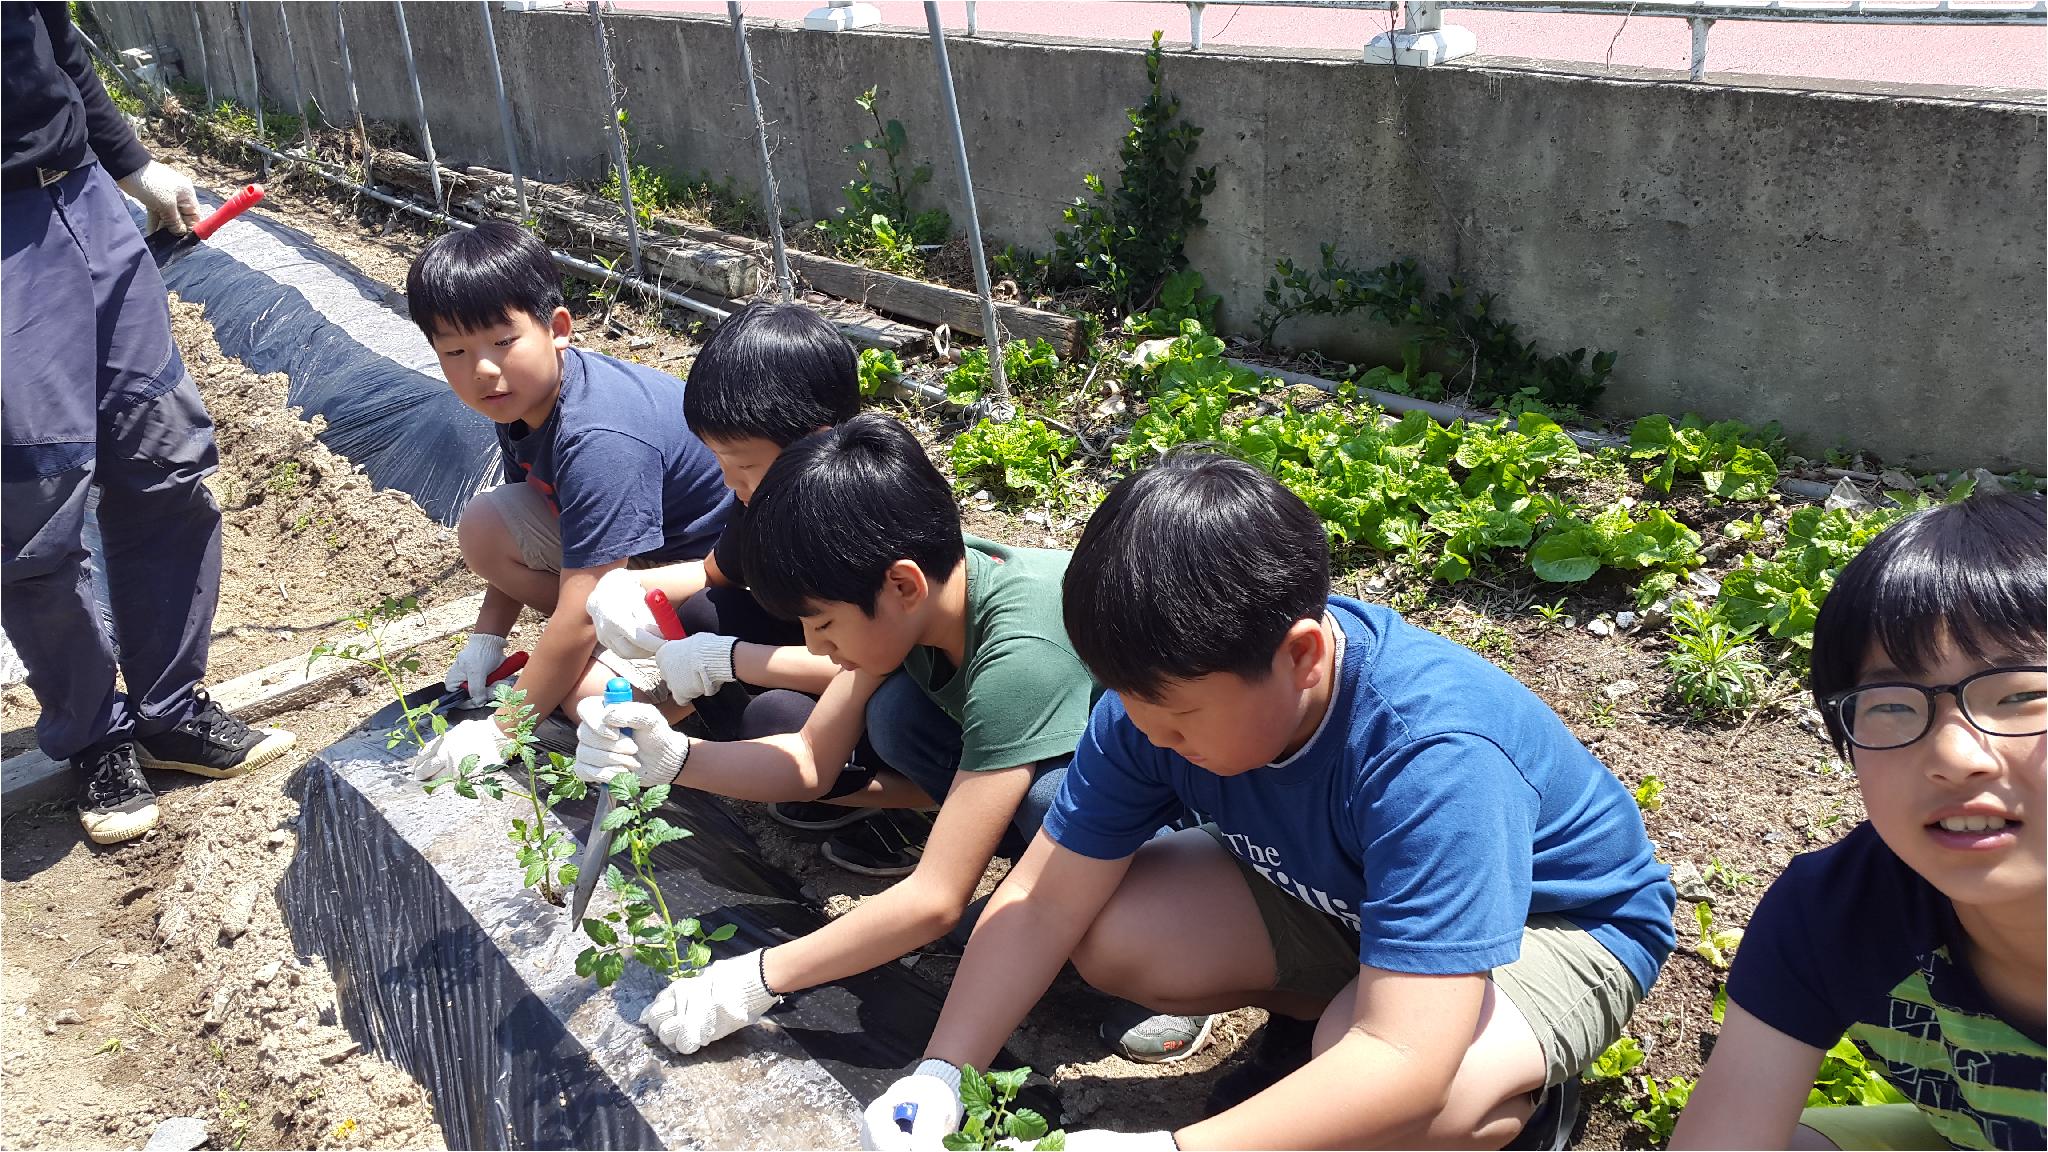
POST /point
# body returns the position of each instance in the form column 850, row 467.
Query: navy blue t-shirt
column 1439, row 805
column 615, row 459
column 1849, row 940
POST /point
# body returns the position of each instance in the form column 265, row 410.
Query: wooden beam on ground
column 717, row 274
column 888, row 292
column 33, row 778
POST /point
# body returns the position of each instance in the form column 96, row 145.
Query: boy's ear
column 905, row 583
column 1301, row 654
column 561, row 325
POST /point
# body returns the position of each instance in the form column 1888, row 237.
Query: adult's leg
column 48, row 433
column 159, row 525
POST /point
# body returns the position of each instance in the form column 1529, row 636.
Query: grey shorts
column 536, row 530
column 1576, row 995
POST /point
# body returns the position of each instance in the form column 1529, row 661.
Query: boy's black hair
column 470, row 280
column 774, row 371
column 837, row 508
column 1973, row 574
column 1199, row 564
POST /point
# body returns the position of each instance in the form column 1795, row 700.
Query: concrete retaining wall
column 1865, row 267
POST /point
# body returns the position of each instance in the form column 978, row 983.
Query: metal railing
column 1420, row 19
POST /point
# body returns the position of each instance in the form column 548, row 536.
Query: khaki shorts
column 1576, row 995
column 1873, row 1126
column 536, row 530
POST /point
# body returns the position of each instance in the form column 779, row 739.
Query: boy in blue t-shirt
column 600, row 471
column 1921, row 934
column 1405, row 845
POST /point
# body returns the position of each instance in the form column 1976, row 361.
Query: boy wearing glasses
column 1922, row 934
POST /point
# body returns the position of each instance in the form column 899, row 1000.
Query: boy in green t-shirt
column 855, row 534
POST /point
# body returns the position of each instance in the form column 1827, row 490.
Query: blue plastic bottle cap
column 618, row 690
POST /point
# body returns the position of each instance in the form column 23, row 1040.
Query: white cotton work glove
column 695, row 1010
column 1103, row 1140
column 444, row 753
column 696, row 666
column 654, row 752
column 618, row 610
column 928, row 1104
column 473, row 666
column 165, row 194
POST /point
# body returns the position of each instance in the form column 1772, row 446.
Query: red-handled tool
column 164, row 247
column 237, row 204
column 665, row 618
column 458, row 697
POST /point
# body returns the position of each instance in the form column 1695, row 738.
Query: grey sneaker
column 1137, row 1034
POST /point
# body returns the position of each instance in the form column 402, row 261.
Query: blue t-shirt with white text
column 616, row 461
column 1439, row 805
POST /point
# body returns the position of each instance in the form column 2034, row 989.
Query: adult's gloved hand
column 715, row 1003
column 696, row 666
column 473, row 666
column 928, row 1100
column 165, row 194
column 445, row 753
column 618, row 610
column 654, row 752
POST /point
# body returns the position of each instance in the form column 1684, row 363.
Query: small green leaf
column 722, row 933
column 975, row 1094
column 1025, row 1124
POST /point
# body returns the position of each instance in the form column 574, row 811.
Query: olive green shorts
column 1575, row 994
column 1873, row 1127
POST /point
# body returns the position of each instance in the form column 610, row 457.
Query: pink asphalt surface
column 1994, row 56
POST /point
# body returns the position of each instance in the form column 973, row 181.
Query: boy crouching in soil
column 951, row 654
column 600, row 472
column 1408, row 855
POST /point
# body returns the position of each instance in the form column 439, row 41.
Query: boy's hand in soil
column 717, row 1002
column 446, row 752
column 618, row 610
column 933, row 1095
column 697, row 665
column 472, row 669
column 654, row 752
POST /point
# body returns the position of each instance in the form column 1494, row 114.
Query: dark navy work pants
column 93, row 393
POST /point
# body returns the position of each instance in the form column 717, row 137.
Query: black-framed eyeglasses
column 1996, row 702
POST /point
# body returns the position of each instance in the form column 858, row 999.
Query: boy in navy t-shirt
column 1921, row 934
column 1405, row 845
column 600, row 471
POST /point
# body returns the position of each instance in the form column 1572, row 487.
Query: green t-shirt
column 1022, row 695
